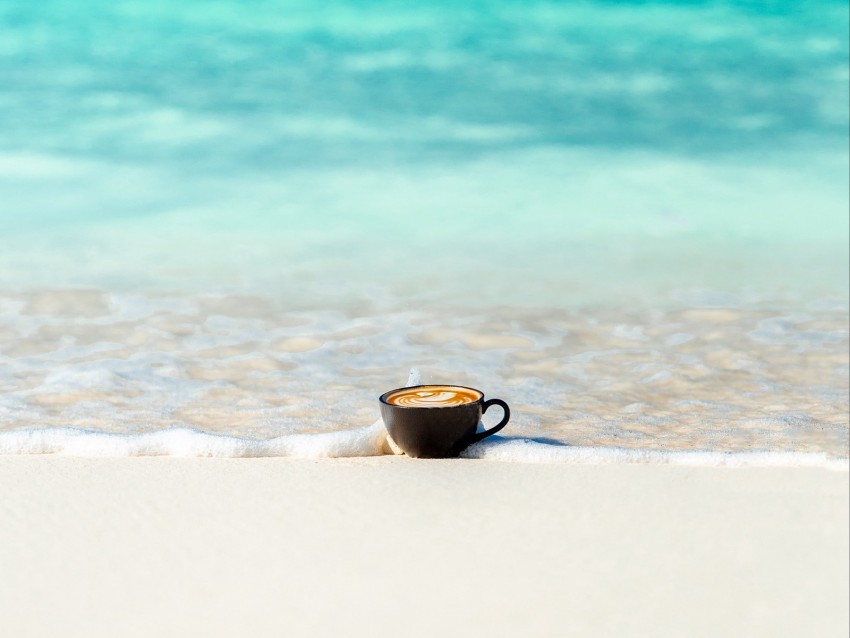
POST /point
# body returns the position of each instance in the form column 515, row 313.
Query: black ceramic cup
column 438, row 431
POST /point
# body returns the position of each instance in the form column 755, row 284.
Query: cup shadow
column 535, row 439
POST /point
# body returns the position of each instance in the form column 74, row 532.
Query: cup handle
column 483, row 435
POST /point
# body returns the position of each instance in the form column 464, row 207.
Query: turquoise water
column 252, row 218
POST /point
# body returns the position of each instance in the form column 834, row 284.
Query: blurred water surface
column 369, row 160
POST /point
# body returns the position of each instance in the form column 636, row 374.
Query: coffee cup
column 437, row 421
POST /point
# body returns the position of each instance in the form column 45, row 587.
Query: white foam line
column 529, row 451
column 371, row 441
column 366, row 441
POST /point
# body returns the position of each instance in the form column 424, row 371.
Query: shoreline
column 696, row 378
column 387, row 545
column 371, row 442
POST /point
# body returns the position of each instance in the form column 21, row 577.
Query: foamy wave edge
column 530, row 451
column 367, row 441
column 371, row 441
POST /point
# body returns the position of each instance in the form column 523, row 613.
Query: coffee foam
column 433, row 396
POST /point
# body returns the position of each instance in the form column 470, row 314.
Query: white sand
column 396, row 547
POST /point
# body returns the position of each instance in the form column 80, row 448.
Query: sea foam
column 371, row 440
column 367, row 441
column 530, row 451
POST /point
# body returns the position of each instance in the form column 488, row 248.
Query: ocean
column 226, row 228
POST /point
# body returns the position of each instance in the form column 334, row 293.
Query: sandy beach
column 390, row 546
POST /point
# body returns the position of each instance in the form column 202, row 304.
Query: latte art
column 436, row 396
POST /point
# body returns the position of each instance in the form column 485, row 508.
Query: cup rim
column 383, row 397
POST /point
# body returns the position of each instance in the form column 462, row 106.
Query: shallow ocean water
column 629, row 220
